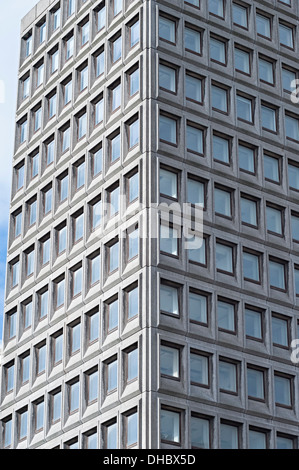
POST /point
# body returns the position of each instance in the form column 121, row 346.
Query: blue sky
column 11, row 13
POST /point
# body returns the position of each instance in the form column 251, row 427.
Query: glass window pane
column 263, row 26
column 217, row 50
column 170, row 425
column 167, row 78
column 220, row 149
column 222, row 202
column 192, row 40
column 253, row 323
column 226, row 315
column 257, row 440
column 228, row 436
column 248, row 211
column 199, row 369
column 169, row 361
column 169, row 301
column 277, row 274
column 166, row 29
column 227, row 376
column 200, row 433
column 282, row 390
column 280, row 331
column 240, row 15
column 224, row 257
column 167, row 129
column 194, row 139
column 251, row 266
column 255, row 384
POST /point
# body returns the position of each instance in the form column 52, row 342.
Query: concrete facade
column 192, row 133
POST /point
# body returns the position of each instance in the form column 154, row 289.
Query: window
column 56, row 399
column 42, row 32
column 54, row 61
column 168, row 129
column 96, row 213
column 219, row 98
column 199, row 255
column 43, row 303
column 15, row 271
column 246, row 158
column 167, row 29
column 199, row 369
column 112, row 373
column 169, row 299
column 242, row 60
column 84, row 33
column 226, row 316
column 28, row 45
column 194, row 137
column 101, row 17
column 255, row 384
column 83, row 75
column 30, row 258
column 99, row 111
column 248, row 211
column 295, row 227
column 39, row 416
column 97, row 161
column 57, row 348
column 77, row 280
column 34, row 163
column 117, row 7
column 37, row 119
column 229, row 436
column 269, row 118
column 200, row 433
column 263, row 26
column 20, row 171
column 132, row 303
column 217, row 50
column 134, row 33
column 52, row 103
column 41, row 358
column 266, row 71
column 114, row 257
column 133, row 242
column 60, row 286
column 133, row 187
column 113, row 200
column 55, row 19
column 12, row 324
column 240, row 15
column 17, row 223
column 280, row 331
column 224, row 258
column 95, row 269
column 221, row 149
column 251, row 266
column 292, row 127
column 27, row 314
column 288, row 77
column 116, row 49
column 244, row 109
column 115, row 146
column 112, row 315
column 23, row 131
column 133, row 133
column 286, row 35
column 65, row 139
column 69, row 47
column 71, row 7
column 7, row 432
column 63, row 187
column 283, row 442
column 9, row 371
column 228, row 377
column 168, row 240
column 168, row 183
column 111, row 435
column 198, row 307
column 274, row 220
column 132, row 365
column 78, row 227
column 194, row 3
column 257, row 439
column 193, row 88
column 74, row 396
column 45, row 246
column 216, row 7
column 167, row 78
column 47, row 200
column 271, row 168
column 131, row 429
column 39, row 74
column 134, row 82
column 82, row 125
column 80, row 174
column 50, row 148
column 91, row 440
column 22, row 424
column 283, row 390
column 253, row 324
column 277, row 275
column 170, row 426
column 75, row 338
column 195, row 192
column 100, row 63
column 93, row 327
column 26, row 87
column 25, row 368
column 92, row 383
column 222, row 202
column 192, row 40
